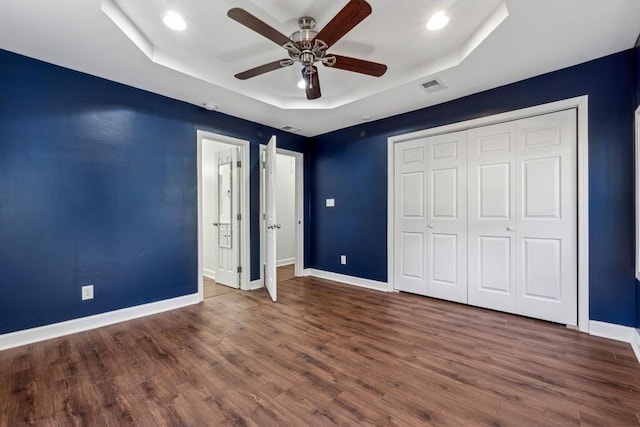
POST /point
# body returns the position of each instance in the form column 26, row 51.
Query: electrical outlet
column 343, row 259
column 87, row 292
column 331, row 203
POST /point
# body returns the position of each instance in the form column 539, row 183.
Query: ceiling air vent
column 290, row 129
column 433, row 86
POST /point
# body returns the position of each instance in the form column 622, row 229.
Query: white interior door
column 491, row 217
column 270, row 246
column 410, row 256
column 227, row 195
column 546, row 281
column 447, row 216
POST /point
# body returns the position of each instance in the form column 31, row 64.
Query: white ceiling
column 488, row 43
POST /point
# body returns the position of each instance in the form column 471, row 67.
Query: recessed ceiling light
column 174, row 21
column 438, row 21
column 366, row 118
column 302, row 84
column 209, row 106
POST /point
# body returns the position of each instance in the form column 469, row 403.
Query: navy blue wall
column 350, row 165
column 637, row 106
column 98, row 185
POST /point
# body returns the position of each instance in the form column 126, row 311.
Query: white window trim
column 581, row 105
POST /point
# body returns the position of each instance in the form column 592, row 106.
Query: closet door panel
column 492, row 222
column 447, row 216
column 547, row 280
column 410, row 205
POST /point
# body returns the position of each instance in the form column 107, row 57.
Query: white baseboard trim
column 617, row 332
column 635, row 343
column 42, row 333
column 255, row 284
column 349, row 280
column 209, row 273
column 286, row 261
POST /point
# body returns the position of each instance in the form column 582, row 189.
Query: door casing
column 245, row 239
column 299, row 214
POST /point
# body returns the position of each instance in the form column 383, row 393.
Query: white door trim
column 581, row 105
column 245, row 229
column 299, row 201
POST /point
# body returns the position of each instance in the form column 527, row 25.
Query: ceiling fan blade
column 313, row 84
column 271, row 66
column 248, row 20
column 359, row 66
column 351, row 15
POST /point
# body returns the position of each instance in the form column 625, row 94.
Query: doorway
column 223, row 226
column 289, row 183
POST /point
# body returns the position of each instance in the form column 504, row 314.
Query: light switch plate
column 87, row 292
column 343, row 259
column 331, row 203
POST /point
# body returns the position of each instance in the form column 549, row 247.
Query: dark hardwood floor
column 286, row 272
column 324, row 354
column 213, row 289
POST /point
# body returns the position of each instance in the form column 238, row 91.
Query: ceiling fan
column 308, row 46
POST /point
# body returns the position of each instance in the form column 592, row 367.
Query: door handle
column 430, row 227
column 215, row 224
column 278, row 226
column 510, row 229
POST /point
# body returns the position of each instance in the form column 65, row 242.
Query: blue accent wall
column 350, row 165
column 98, row 185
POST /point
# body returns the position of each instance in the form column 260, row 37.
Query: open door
column 270, row 279
column 227, row 235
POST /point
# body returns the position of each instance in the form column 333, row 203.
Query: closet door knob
column 510, row 228
column 430, row 227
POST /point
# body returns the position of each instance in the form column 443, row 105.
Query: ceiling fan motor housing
column 306, row 33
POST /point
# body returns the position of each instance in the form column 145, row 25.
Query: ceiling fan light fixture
column 438, row 21
column 174, row 21
column 302, row 84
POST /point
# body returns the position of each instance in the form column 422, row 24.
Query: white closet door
column 492, row 220
column 547, row 218
column 447, row 216
column 410, row 256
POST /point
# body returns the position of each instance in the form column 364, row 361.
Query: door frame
column 299, row 214
column 581, row 105
column 245, row 238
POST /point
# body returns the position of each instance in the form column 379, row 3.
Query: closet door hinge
column 239, row 164
column 239, row 217
column 239, row 269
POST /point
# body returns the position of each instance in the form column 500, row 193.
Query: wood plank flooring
column 213, row 289
column 324, row 354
